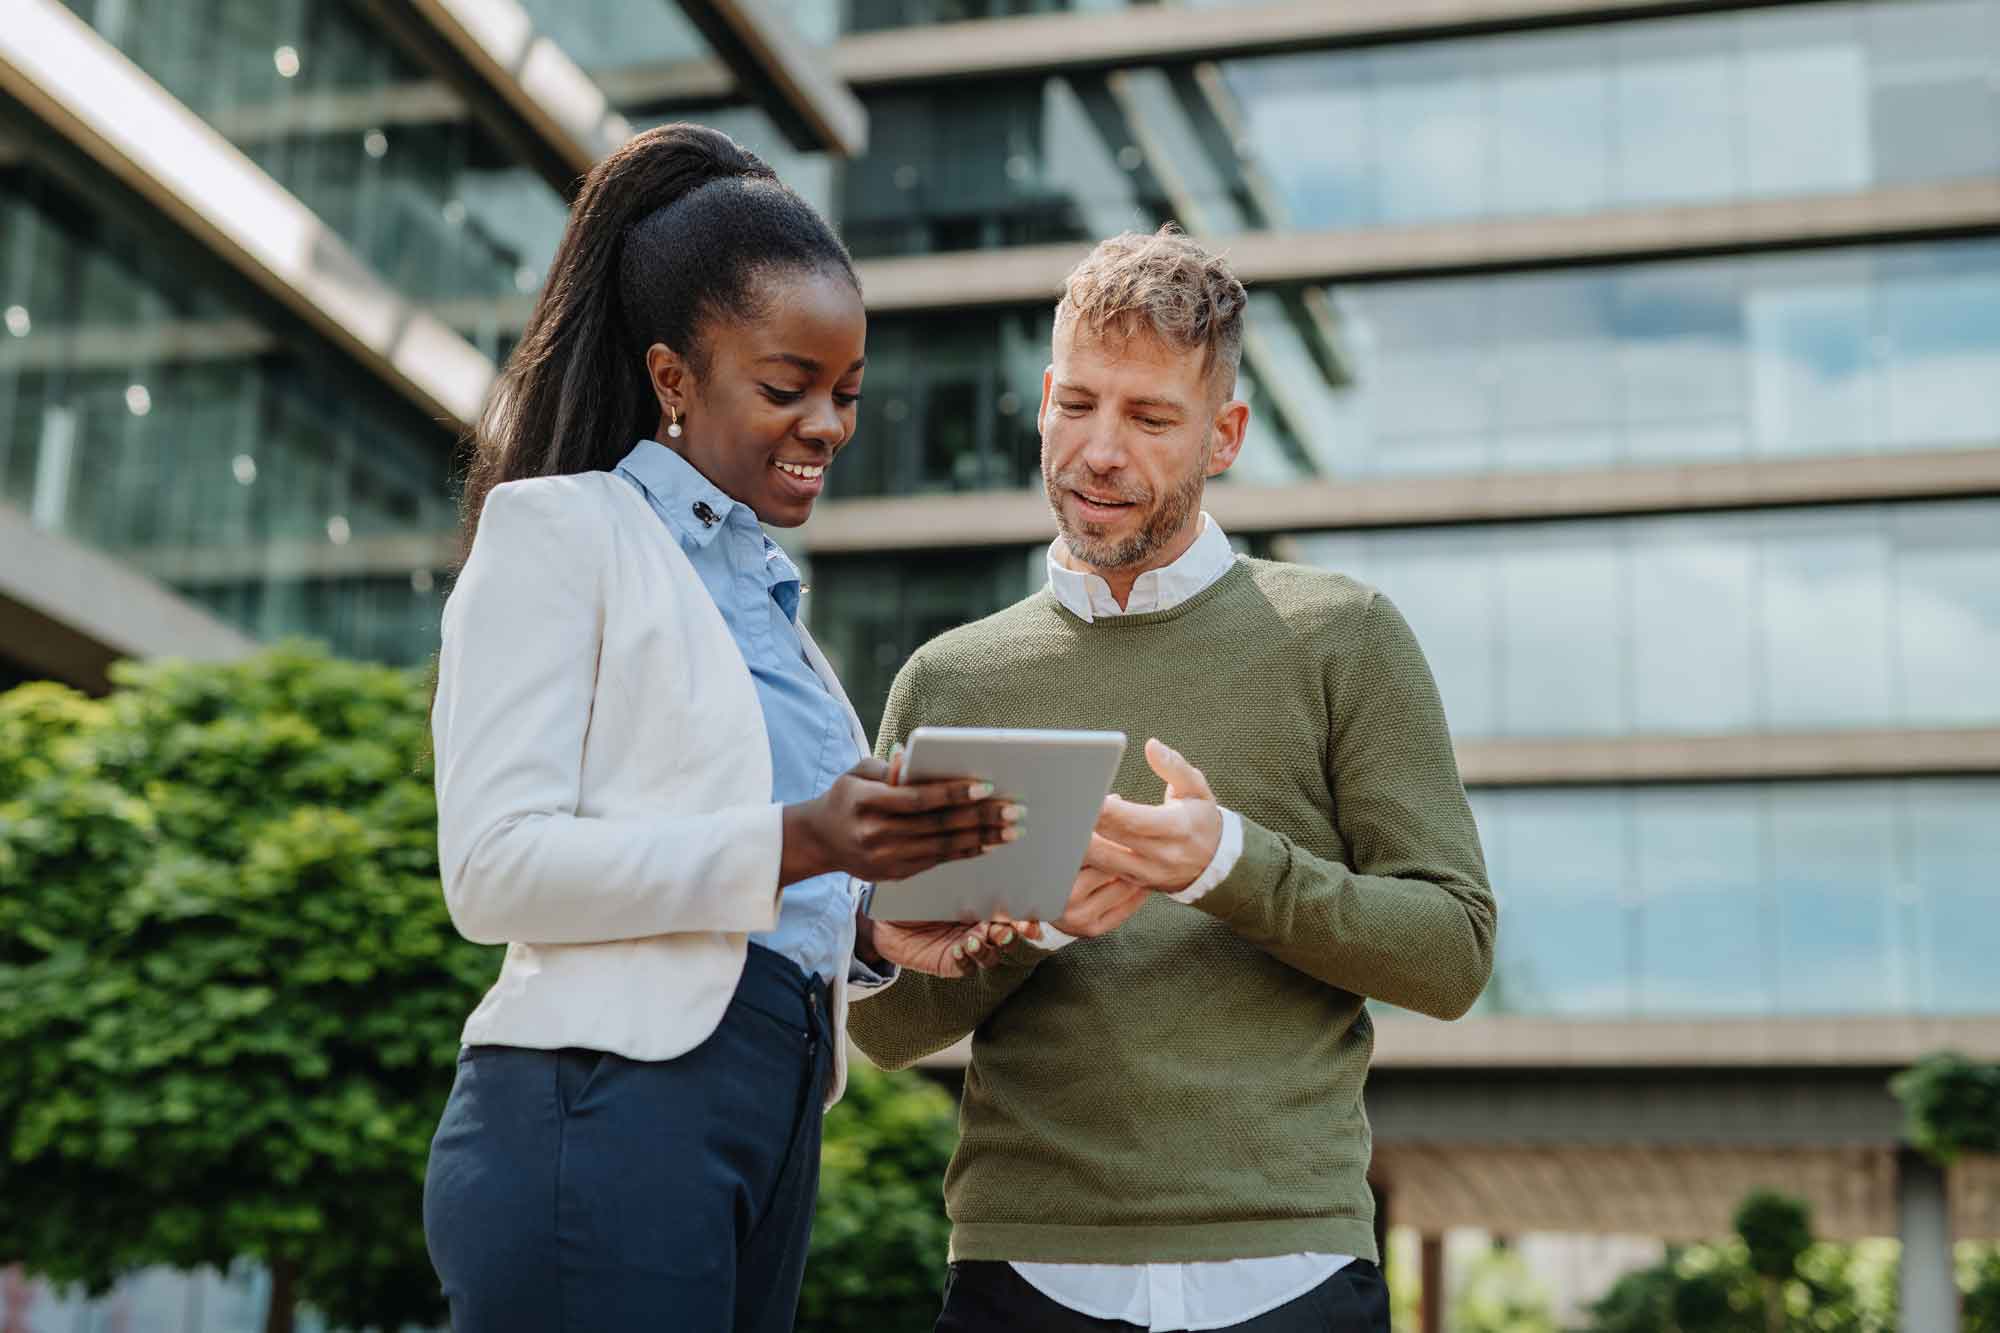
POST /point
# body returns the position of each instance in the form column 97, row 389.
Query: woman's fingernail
column 958, row 951
column 1003, row 936
column 979, row 791
column 1010, row 834
column 1015, row 814
column 972, row 944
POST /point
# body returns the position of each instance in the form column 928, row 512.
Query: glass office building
column 1650, row 364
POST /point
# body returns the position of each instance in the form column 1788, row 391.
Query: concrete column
column 1928, row 1287
column 1430, row 1313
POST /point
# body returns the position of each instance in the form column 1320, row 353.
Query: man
column 1162, row 1121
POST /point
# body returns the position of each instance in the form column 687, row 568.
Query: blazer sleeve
column 516, row 678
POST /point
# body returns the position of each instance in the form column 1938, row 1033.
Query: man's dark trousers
column 988, row 1297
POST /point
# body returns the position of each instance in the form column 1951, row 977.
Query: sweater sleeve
column 1412, row 920
column 920, row 1015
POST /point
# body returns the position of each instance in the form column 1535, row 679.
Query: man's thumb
column 1182, row 778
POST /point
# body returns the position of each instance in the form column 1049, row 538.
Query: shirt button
column 708, row 516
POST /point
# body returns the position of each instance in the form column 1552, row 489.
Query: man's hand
column 1099, row 902
column 1162, row 847
column 940, row 948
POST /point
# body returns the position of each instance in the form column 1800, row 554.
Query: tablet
column 1062, row 777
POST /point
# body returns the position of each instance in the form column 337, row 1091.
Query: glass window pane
column 1433, row 129
column 1834, row 871
column 142, row 415
column 1745, row 898
column 1562, row 642
column 1704, row 927
column 1809, row 323
column 1561, row 877
column 1826, row 641
column 1874, row 617
column 1551, row 112
column 1694, row 625
column 1805, row 90
column 1677, row 112
column 1931, row 65
column 1947, row 613
column 1954, row 841
column 1939, row 317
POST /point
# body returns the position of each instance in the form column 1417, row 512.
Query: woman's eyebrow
column 808, row 364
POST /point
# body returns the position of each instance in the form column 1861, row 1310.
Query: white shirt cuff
column 1228, row 850
column 862, row 979
column 1051, row 940
column 866, row 980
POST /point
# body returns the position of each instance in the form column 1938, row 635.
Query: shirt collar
column 1088, row 596
column 694, row 507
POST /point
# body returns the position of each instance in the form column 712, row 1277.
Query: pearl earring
column 673, row 424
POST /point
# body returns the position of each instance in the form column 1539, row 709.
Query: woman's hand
column 941, row 948
column 876, row 831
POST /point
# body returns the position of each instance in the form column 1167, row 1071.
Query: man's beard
column 1159, row 528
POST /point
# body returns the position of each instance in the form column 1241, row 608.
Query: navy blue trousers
column 576, row 1191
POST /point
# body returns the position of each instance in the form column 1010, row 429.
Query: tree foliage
column 1979, row 1275
column 880, row 1235
column 1953, row 1105
column 233, row 1000
column 1772, row 1275
column 1776, row 1231
column 233, row 995
column 1495, row 1293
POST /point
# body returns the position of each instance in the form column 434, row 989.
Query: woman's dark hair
column 673, row 230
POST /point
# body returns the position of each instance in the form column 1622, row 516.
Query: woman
column 648, row 785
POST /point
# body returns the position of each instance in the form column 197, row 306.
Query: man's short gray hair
column 1165, row 285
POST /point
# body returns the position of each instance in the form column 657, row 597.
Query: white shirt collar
column 1088, row 596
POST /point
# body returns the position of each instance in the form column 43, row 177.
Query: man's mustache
column 1078, row 481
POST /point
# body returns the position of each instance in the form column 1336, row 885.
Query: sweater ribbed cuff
column 1256, row 874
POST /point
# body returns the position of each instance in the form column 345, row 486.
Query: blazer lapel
column 818, row 661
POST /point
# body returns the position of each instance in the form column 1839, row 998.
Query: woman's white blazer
column 603, row 778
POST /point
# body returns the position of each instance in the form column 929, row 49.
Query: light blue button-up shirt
column 756, row 587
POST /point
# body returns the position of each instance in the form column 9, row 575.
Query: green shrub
column 233, row 994
column 1953, row 1105
column 880, row 1235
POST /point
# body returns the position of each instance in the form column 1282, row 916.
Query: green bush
column 234, row 999
column 880, row 1235
column 1979, row 1275
column 1497, row 1294
column 1953, row 1105
column 1771, row 1276
column 234, row 995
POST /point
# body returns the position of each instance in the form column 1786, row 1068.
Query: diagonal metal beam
column 69, row 612
column 118, row 127
column 773, row 66
column 517, row 82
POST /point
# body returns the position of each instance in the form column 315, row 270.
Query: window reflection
column 437, row 207
column 1873, row 349
column 1745, row 898
column 248, row 465
column 871, row 612
column 1782, row 102
column 1882, row 616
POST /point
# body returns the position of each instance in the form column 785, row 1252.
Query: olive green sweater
column 1188, row 1086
